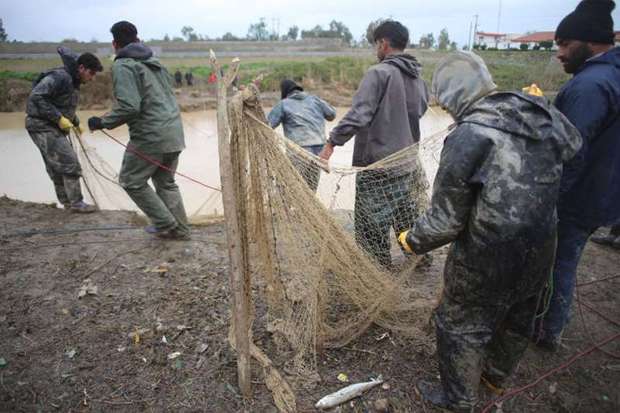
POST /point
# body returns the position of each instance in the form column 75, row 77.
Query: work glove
column 65, row 124
column 95, row 123
column 402, row 240
column 533, row 90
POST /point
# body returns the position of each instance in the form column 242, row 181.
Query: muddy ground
column 106, row 351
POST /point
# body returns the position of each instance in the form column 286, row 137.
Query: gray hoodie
column 386, row 110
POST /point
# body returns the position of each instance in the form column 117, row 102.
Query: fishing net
column 322, row 240
column 103, row 189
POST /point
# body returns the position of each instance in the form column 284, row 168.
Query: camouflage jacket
column 495, row 194
column 55, row 92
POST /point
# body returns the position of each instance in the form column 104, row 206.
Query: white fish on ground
column 347, row 393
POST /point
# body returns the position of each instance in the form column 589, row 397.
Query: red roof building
column 538, row 37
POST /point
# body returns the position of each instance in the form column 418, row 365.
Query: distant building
column 537, row 37
column 496, row 40
column 486, row 40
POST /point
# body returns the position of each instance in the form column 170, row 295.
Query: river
column 23, row 174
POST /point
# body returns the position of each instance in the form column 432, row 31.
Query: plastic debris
column 88, row 288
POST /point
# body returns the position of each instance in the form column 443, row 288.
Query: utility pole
column 499, row 15
column 469, row 36
column 475, row 30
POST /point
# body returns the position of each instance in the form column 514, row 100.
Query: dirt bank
column 98, row 94
column 107, row 352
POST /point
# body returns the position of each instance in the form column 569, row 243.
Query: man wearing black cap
column 590, row 190
column 303, row 119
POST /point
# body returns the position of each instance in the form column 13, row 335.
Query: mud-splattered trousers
column 61, row 162
column 480, row 333
column 164, row 205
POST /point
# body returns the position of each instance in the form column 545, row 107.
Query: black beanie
column 590, row 22
column 287, row 86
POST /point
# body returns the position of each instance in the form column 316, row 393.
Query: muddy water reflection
column 23, row 174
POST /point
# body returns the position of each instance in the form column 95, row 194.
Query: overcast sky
column 54, row 20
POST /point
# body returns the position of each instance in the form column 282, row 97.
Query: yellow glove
column 402, row 240
column 533, row 90
column 65, row 124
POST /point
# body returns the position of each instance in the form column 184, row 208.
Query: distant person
column 50, row 116
column 212, row 78
column 302, row 116
column 494, row 202
column 189, row 78
column 384, row 118
column 590, row 195
column 146, row 103
column 178, row 78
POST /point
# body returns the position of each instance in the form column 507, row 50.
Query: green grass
column 511, row 70
column 9, row 74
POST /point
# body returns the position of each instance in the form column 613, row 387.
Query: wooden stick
column 238, row 276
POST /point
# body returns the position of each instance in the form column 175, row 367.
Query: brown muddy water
column 23, row 174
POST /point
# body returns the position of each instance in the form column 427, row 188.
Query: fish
column 347, row 393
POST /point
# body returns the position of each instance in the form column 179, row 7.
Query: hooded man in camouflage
column 51, row 114
column 494, row 199
column 145, row 102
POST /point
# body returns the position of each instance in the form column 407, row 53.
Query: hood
column 297, row 95
column 138, row 51
column 525, row 116
column 287, row 86
column 405, row 62
column 460, row 79
column 69, row 61
column 611, row 57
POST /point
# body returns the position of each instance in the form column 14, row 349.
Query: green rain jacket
column 145, row 102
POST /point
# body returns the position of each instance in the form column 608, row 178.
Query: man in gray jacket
column 494, row 199
column 385, row 118
column 303, row 119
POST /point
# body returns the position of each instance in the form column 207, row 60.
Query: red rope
column 567, row 364
column 157, row 163
column 595, row 311
column 598, row 281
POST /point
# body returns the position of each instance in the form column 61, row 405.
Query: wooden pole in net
column 239, row 276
